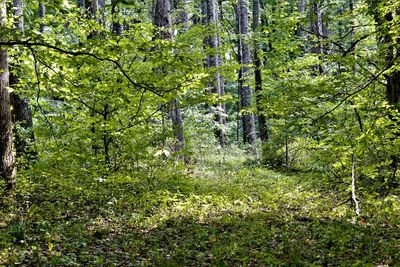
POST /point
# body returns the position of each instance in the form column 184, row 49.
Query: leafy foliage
column 226, row 214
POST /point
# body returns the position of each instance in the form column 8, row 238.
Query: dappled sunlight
column 249, row 216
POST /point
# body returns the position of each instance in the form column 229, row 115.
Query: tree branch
column 30, row 44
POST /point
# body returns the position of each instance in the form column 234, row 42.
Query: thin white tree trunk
column 353, row 188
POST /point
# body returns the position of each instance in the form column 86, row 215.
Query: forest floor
column 215, row 214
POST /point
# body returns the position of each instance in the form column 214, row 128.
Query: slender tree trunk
column 262, row 121
column 92, row 6
column 214, row 60
column 42, row 13
column 163, row 21
column 7, row 160
column 300, row 8
column 319, row 30
column 116, row 25
column 22, row 111
column 244, row 58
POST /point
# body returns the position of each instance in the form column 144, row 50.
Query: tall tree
column 42, row 13
column 115, row 10
column 300, row 8
column 214, row 60
column 163, row 21
column 244, row 58
column 389, row 42
column 7, row 160
column 262, row 121
column 21, row 109
column 318, row 29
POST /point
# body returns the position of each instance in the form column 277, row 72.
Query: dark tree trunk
column 393, row 85
column 183, row 16
column 22, row 112
column 42, row 13
column 92, row 6
column 319, row 30
column 7, row 160
column 81, row 3
column 210, row 10
column 163, row 21
column 244, row 58
column 390, row 46
column 393, row 79
column 116, row 25
column 262, row 121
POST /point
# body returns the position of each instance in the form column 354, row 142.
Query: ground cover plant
column 234, row 214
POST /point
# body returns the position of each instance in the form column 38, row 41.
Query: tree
column 163, row 21
column 389, row 42
column 244, row 58
column 21, row 108
column 262, row 121
column 7, row 160
column 214, row 60
column 116, row 25
column 318, row 28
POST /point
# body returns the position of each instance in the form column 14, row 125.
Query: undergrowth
column 224, row 211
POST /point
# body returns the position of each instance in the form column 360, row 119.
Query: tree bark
column 163, row 21
column 7, row 159
column 81, row 3
column 42, row 13
column 183, row 16
column 92, row 6
column 214, row 60
column 116, row 25
column 244, row 58
column 300, row 8
column 319, row 30
column 262, row 121
column 22, row 112
column 389, row 43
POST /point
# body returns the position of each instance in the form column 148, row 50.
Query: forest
column 199, row 132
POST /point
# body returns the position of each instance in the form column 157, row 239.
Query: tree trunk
column 244, row 58
column 7, row 160
column 183, row 16
column 81, row 3
column 22, row 111
column 393, row 85
column 389, row 45
column 163, row 21
column 262, row 121
column 210, row 10
column 116, row 25
column 300, row 8
column 92, row 7
column 319, row 30
column 42, row 13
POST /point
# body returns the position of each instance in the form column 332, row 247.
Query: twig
column 342, row 203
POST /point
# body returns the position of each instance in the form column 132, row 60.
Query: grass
column 219, row 213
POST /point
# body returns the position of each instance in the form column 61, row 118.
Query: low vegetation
column 231, row 213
